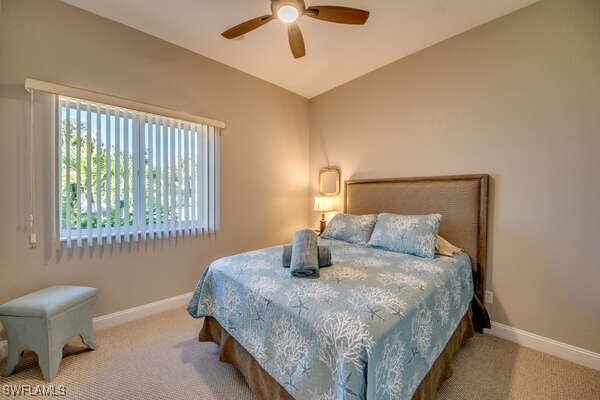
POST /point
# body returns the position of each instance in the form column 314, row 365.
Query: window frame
column 140, row 229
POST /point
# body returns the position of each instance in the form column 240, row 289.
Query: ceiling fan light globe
column 288, row 14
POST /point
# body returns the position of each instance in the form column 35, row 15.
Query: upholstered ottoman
column 44, row 321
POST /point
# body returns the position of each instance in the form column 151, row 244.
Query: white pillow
column 445, row 248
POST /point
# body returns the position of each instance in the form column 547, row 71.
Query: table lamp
column 323, row 204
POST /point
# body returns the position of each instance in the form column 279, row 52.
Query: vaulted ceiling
column 335, row 53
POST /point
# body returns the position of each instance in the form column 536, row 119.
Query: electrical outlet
column 489, row 297
column 32, row 240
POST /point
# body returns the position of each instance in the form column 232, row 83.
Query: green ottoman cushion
column 48, row 302
column 44, row 321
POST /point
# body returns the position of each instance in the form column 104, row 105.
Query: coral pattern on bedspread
column 373, row 316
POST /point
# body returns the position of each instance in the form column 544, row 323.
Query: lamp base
column 323, row 224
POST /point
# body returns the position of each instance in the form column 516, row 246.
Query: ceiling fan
column 289, row 11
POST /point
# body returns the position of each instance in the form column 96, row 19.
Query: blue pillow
column 350, row 228
column 410, row 234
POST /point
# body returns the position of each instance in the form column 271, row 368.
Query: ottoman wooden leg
column 49, row 360
column 14, row 356
column 87, row 336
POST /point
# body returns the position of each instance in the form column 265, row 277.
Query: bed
column 376, row 324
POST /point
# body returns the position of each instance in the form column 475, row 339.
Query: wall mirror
column 329, row 181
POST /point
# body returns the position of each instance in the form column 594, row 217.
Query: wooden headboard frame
column 461, row 199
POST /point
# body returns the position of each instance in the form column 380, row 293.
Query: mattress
column 370, row 327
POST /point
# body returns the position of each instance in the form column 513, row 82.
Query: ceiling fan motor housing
column 297, row 4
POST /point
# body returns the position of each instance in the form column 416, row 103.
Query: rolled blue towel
column 305, row 258
column 323, row 254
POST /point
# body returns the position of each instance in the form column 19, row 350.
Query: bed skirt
column 265, row 387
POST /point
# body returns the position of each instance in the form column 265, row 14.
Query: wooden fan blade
column 246, row 27
column 296, row 40
column 341, row 15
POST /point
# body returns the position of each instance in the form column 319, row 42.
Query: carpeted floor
column 159, row 357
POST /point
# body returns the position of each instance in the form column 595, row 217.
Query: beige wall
column 264, row 151
column 518, row 98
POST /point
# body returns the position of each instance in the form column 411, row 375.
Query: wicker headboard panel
column 462, row 201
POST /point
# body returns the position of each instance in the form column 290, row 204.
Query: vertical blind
column 128, row 175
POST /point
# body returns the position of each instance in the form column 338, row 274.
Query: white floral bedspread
column 373, row 316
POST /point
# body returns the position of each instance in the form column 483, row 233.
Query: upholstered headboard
column 462, row 201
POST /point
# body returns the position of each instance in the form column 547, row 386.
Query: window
column 126, row 175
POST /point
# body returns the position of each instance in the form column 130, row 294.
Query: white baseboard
column 565, row 351
column 562, row 350
column 145, row 310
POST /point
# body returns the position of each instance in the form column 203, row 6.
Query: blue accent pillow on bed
column 350, row 228
column 410, row 234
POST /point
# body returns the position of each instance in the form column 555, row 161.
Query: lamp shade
column 324, row 204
